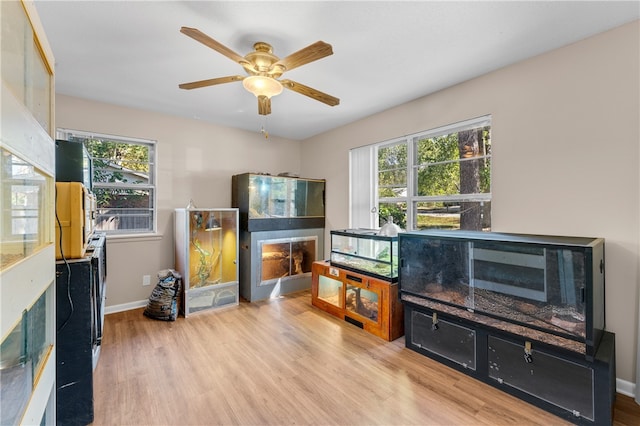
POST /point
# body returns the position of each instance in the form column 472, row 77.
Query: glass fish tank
column 269, row 202
column 365, row 251
column 551, row 285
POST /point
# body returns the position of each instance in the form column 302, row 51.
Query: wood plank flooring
column 284, row 362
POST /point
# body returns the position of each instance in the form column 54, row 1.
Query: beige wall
column 195, row 161
column 565, row 142
column 565, row 161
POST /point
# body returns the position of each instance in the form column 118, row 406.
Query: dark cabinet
column 550, row 288
column 523, row 313
column 80, row 289
column 558, row 381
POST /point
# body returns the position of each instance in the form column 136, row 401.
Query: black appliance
column 73, row 163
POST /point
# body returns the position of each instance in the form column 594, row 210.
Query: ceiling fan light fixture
column 262, row 86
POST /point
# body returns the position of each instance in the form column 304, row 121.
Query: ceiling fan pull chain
column 263, row 129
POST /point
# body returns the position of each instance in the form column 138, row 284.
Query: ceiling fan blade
column 264, row 105
column 210, row 82
column 217, row 46
column 310, row 92
column 317, row 50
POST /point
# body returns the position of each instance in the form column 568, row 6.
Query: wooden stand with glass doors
column 369, row 303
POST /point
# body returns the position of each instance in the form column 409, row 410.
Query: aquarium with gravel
column 365, row 251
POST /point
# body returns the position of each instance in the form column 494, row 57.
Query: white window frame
column 66, row 134
column 364, row 185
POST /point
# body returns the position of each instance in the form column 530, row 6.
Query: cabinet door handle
column 354, row 278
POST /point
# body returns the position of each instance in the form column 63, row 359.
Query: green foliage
column 122, row 198
column 392, row 170
column 113, row 161
column 485, row 169
column 426, row 221
column 439, row 170
column 437, row 163
column 396, row 211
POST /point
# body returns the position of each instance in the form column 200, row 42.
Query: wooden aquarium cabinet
column 369, row 303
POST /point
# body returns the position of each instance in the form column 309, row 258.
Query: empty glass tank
column 278, row 202
column 330, row 290
column 548, row 283
column 363, row 250
column 26, row 222
column 22, row 355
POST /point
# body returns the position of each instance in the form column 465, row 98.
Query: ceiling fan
column 264, row 70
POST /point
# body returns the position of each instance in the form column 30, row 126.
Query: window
column 123, row 181
column 440, row 178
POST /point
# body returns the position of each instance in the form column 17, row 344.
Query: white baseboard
column 626, row 388
column 622, row 386
column 125, row 307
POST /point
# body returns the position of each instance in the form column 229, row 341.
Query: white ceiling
column 386, row 53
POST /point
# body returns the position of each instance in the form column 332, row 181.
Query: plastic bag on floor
column 163, row 302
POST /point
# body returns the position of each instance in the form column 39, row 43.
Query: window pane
column 24, row 208
column 398, row 211
column 457, row 163
column 392, row 171
column 439, row 179
column 468, row 215
column 124, row 209
column 123, row 177
column 116, row 162
column 472, row 176
column 395, row 183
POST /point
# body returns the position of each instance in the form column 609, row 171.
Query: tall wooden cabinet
column 27, row 253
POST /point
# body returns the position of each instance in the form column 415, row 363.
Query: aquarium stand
column 282, row 221
column 366, row 302
column 561, row 382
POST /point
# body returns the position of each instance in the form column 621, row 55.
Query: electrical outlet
column 146, row 280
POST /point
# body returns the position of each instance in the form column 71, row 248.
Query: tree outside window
column 123, row 179
column 438, row 179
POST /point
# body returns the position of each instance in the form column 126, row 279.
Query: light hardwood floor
column 284, row 362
